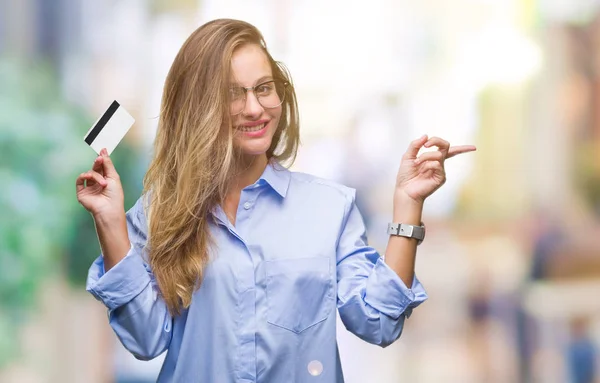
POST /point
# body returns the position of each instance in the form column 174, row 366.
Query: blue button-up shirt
column 265, row 311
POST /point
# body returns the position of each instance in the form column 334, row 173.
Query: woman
column 231, row 262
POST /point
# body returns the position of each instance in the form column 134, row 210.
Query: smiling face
column 256, row 124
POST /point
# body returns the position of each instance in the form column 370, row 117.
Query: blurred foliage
column 44, row 232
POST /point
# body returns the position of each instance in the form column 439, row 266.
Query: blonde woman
column 229, row 261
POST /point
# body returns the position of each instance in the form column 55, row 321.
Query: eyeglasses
column 270, row 94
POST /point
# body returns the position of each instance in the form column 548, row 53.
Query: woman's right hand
column 99, row 190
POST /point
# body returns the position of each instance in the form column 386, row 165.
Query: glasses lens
column 238, row 99
column 270, row 94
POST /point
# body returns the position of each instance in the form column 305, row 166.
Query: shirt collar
column 276, row 176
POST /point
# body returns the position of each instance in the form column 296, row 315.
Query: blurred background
column 512, row 258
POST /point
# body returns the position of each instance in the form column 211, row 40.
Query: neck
column 251, row 168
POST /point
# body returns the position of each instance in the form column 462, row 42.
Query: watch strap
column 406, row 230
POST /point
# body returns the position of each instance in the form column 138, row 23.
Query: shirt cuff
column 121, row 283
column 388, row 294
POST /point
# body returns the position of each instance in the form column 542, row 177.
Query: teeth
column 252, row 128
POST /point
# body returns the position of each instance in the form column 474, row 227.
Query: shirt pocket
column 299, row 292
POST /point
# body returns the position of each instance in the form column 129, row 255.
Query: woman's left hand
column 419, row 177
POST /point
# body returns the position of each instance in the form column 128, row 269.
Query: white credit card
column 110, row 129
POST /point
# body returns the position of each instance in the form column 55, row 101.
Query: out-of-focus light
column 499, row 55
column 568, row 11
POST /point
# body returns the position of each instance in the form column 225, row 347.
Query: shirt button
column 315, row 368
column 247, row 205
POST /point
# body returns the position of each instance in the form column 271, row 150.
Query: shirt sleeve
column 373, row 301
column 136, row 312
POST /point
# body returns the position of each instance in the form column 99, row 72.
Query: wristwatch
column 406, row 230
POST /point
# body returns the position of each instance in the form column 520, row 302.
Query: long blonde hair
column 194, row 157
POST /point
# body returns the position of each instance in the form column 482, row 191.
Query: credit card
column 110, row 129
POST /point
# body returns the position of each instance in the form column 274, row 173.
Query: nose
column 252, row 108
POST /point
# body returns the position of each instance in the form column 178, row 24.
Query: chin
column 254, row 150
column 254, row 147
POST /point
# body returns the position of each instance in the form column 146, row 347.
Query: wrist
column 110, row 218
column 407, row 210
column 113, row 237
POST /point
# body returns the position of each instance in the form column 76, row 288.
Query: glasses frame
column 252, row 89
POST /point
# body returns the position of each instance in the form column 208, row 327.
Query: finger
column 89, row 176
column 80, row 183
column 442, row 145
column 97, row 166
column 430, row 156
column 414, row 147
column 107, row 165
column 433, row 167
column 95, row 177
column 454, row 150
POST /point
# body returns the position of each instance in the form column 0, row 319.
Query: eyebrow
column 257, row 82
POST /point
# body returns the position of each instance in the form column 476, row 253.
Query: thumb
column 108, row 166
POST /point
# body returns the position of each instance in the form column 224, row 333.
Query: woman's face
column 254, row 121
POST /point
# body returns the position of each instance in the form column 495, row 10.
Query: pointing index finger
column 455, row 150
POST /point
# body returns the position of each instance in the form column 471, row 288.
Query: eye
column 265, row 89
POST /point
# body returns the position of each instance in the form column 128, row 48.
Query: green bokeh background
column 43, row 230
